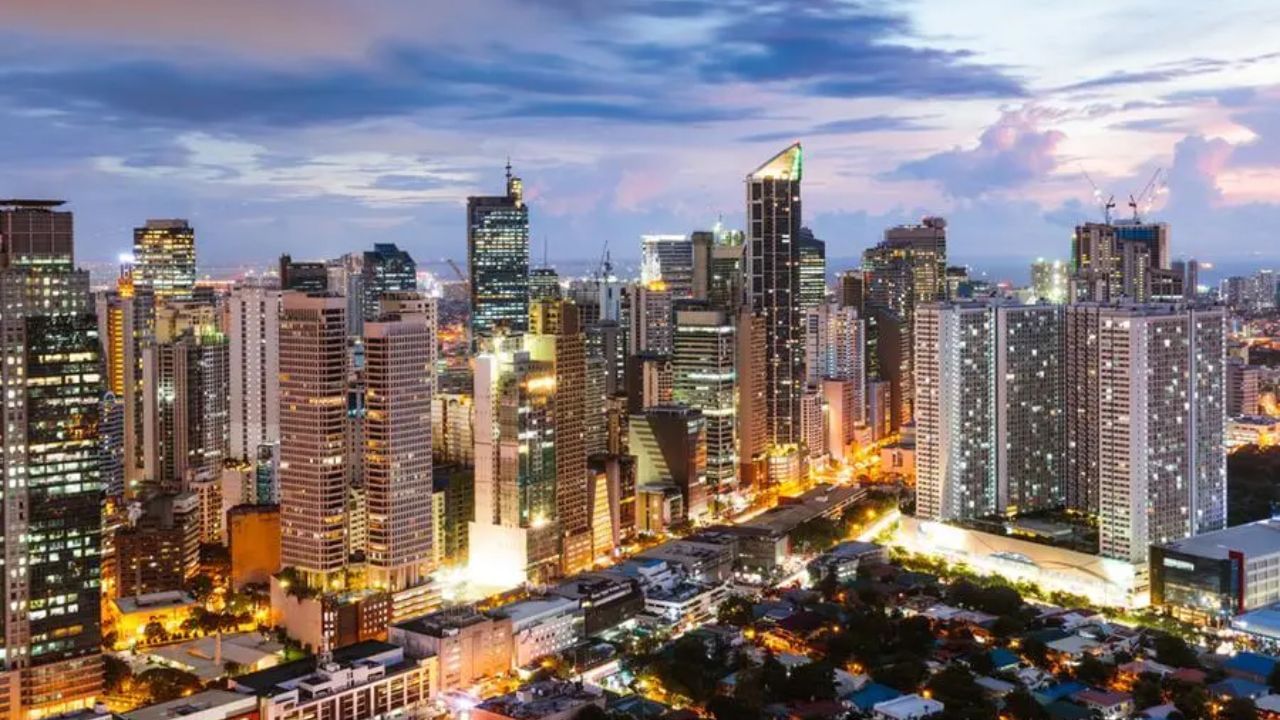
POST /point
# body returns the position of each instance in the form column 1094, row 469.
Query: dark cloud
column 850, row 126
column 1010, row 153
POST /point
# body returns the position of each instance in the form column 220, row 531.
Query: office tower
column 1242, row 388
column 753, row 431
column 670, row 446
column 453, row 429
column 649, row 381
column 498, row 260
column 888, row 358
column 904, row 270
column 813, row 270
column 773, row 258
column 544, row 284
column 1122, row 260
column 186, row 409
column 619, row 474
column 990, row 426
column 727, row 280
column 126, row 319
column 399, row 383
column 516, row 535
column 313, row 435
column 957, row 282
column 835, row 341
column 254, row 334
column 851, row 290
column 706, row 379
column 50, row 461
column 111, row 444
column 304, row 276
column 702, row 242
column 160, row 550
column 164, row 255
column 1145, row 422
column 1049, row 281
column 1188, row 272
column 385, row 269
column 668, row 259
column 649, row 312
column 556, row 337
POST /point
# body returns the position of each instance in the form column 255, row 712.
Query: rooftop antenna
column 508, row 168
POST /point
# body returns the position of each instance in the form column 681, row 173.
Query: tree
column 1146, row 691
column 815, row 681
column 591, row 712
column 155, row 633
column 1191, row 700
column 731, row 708
column 1035, row 651
column 737, row 611
column 200, row 587
column 1239, row 709
column 915, row 636
column 955, row 688
column 904, row 676
column 114, row 672
column 1020, row 705
column 1174, row 651
column 1092, row 671
column 164, row 684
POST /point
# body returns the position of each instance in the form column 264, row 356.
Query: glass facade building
column 498, row 261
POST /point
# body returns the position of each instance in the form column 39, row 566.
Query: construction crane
column 457, row 271
column 1097, row 197
column 1147, row 195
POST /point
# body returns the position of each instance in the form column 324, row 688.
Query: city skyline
column 348, row 126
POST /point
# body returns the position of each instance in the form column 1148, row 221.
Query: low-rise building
column 469, row 645
column 207, row 705
column 1261, row 430
column 363, row 681
column 542, row 626
column 549, row 700
column 606, row 602
column 1106, row 705
column 705, row 558
column 907, row 707
column 129, row 616
column 842, row 561
column 687, row 604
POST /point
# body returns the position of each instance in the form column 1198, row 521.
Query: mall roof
column 1253, row 539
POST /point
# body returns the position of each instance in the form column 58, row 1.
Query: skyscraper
column 670, row 446
column 544, row 284
column 1145, row 422
column 399, row 382
column 313, row 436
column 989, row 410
column 1122, row 260
column 773, row 259
column 648, row 310
column 706, row 378
column 385, row 269
column 1049, row 280
column 254, row 334
column 50, row 464
column 906, row 269
column 813, row 270
column 164, row 253
column 498, row 260
column 668, row 259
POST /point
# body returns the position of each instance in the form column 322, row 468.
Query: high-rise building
column 399, row 383
column 835, row 343
column 516, row 535
column 649, row 381
column 544, row 284
column 851, row 290
column 254, row 333
column 186, row 409
column 1242, row 388
column 1145, row 422
column 906, row 269
column 50, row 464
column 126, row 321
column 670, row 446
column 498, row 260
column 313, row 435
column 750, row 359
column 813, row 270
column 1122, row 260
column 649, row 310
column 385, row 269
column 706, row 379
column 164, row 254
column 309, row 276
column 773, row 259
column 990, row 428
column 1049, row 281
column 556, row 337
column 1188, row 271
column 668, row 259
column 813, row 421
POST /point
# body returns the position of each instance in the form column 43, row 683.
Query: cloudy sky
column 321, row 126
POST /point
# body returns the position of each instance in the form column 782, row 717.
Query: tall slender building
column 1146, row 422
column 498, row 260
column 52, row 377
column 706, row 378
column 668, row 259
column 649, row 312
column 164, row 253
column 773, row 259
column 313, row 435
column 254, row 334
column 990, row 427
column 813, row 270
column 399, row 382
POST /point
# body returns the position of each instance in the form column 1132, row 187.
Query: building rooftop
column 908, row 706
column 523, row 611
column 222, row 700
column 541, row 699
column 1253, row 539
column 265, row 681
column 438, row 623
column 152, row 602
